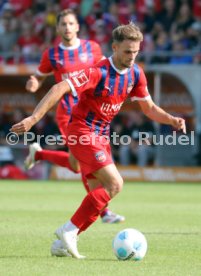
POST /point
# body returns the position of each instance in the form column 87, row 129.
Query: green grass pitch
column 168, row 214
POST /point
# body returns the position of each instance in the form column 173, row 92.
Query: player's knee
column 116, row 186
column 76, row 169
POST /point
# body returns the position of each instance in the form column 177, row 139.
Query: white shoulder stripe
column 140, row 99
column 74, row 92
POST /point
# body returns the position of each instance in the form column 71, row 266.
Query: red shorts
column 92, row 151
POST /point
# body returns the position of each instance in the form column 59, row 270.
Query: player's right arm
column 44, row 69
column 86, row 80
column 48, row 101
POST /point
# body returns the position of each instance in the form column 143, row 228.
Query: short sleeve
column 87, row 79
column 45, row 67
column 140, row 91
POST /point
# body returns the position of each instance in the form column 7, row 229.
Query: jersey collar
column 121, row 72
column 77, row 44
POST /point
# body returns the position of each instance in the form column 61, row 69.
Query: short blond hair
column 129, row 31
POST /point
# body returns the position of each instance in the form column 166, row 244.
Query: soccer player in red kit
column 102, row 89
column 67, row 59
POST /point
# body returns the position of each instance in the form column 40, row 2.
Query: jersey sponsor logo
column 81, row 79
column 100, row 156
column 107, row 108
column 75, row 73
column 71, row 74
column 83, row 57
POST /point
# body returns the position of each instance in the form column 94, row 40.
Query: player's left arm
column 150, row 109
column 155, row 113
column 47, row 102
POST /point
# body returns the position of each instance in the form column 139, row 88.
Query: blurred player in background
column 103, row 90
column 67, row 59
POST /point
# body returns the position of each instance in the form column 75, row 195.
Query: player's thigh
column 93, row 183
column 92, row 156
column 110, row 178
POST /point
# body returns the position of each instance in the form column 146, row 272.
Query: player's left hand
column 23, row 126
column 179, row 124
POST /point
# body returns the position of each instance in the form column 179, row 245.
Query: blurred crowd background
column 27, row 27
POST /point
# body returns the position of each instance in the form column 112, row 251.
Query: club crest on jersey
column 83, row 57
column 100, row 156
column 130, row 87
column 81, row 79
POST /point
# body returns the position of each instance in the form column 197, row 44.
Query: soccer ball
column 130, row 244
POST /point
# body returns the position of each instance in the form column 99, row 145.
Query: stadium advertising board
column 146, row 174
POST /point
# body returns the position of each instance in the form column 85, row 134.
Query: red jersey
column 105, row 88
column 62, row 61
